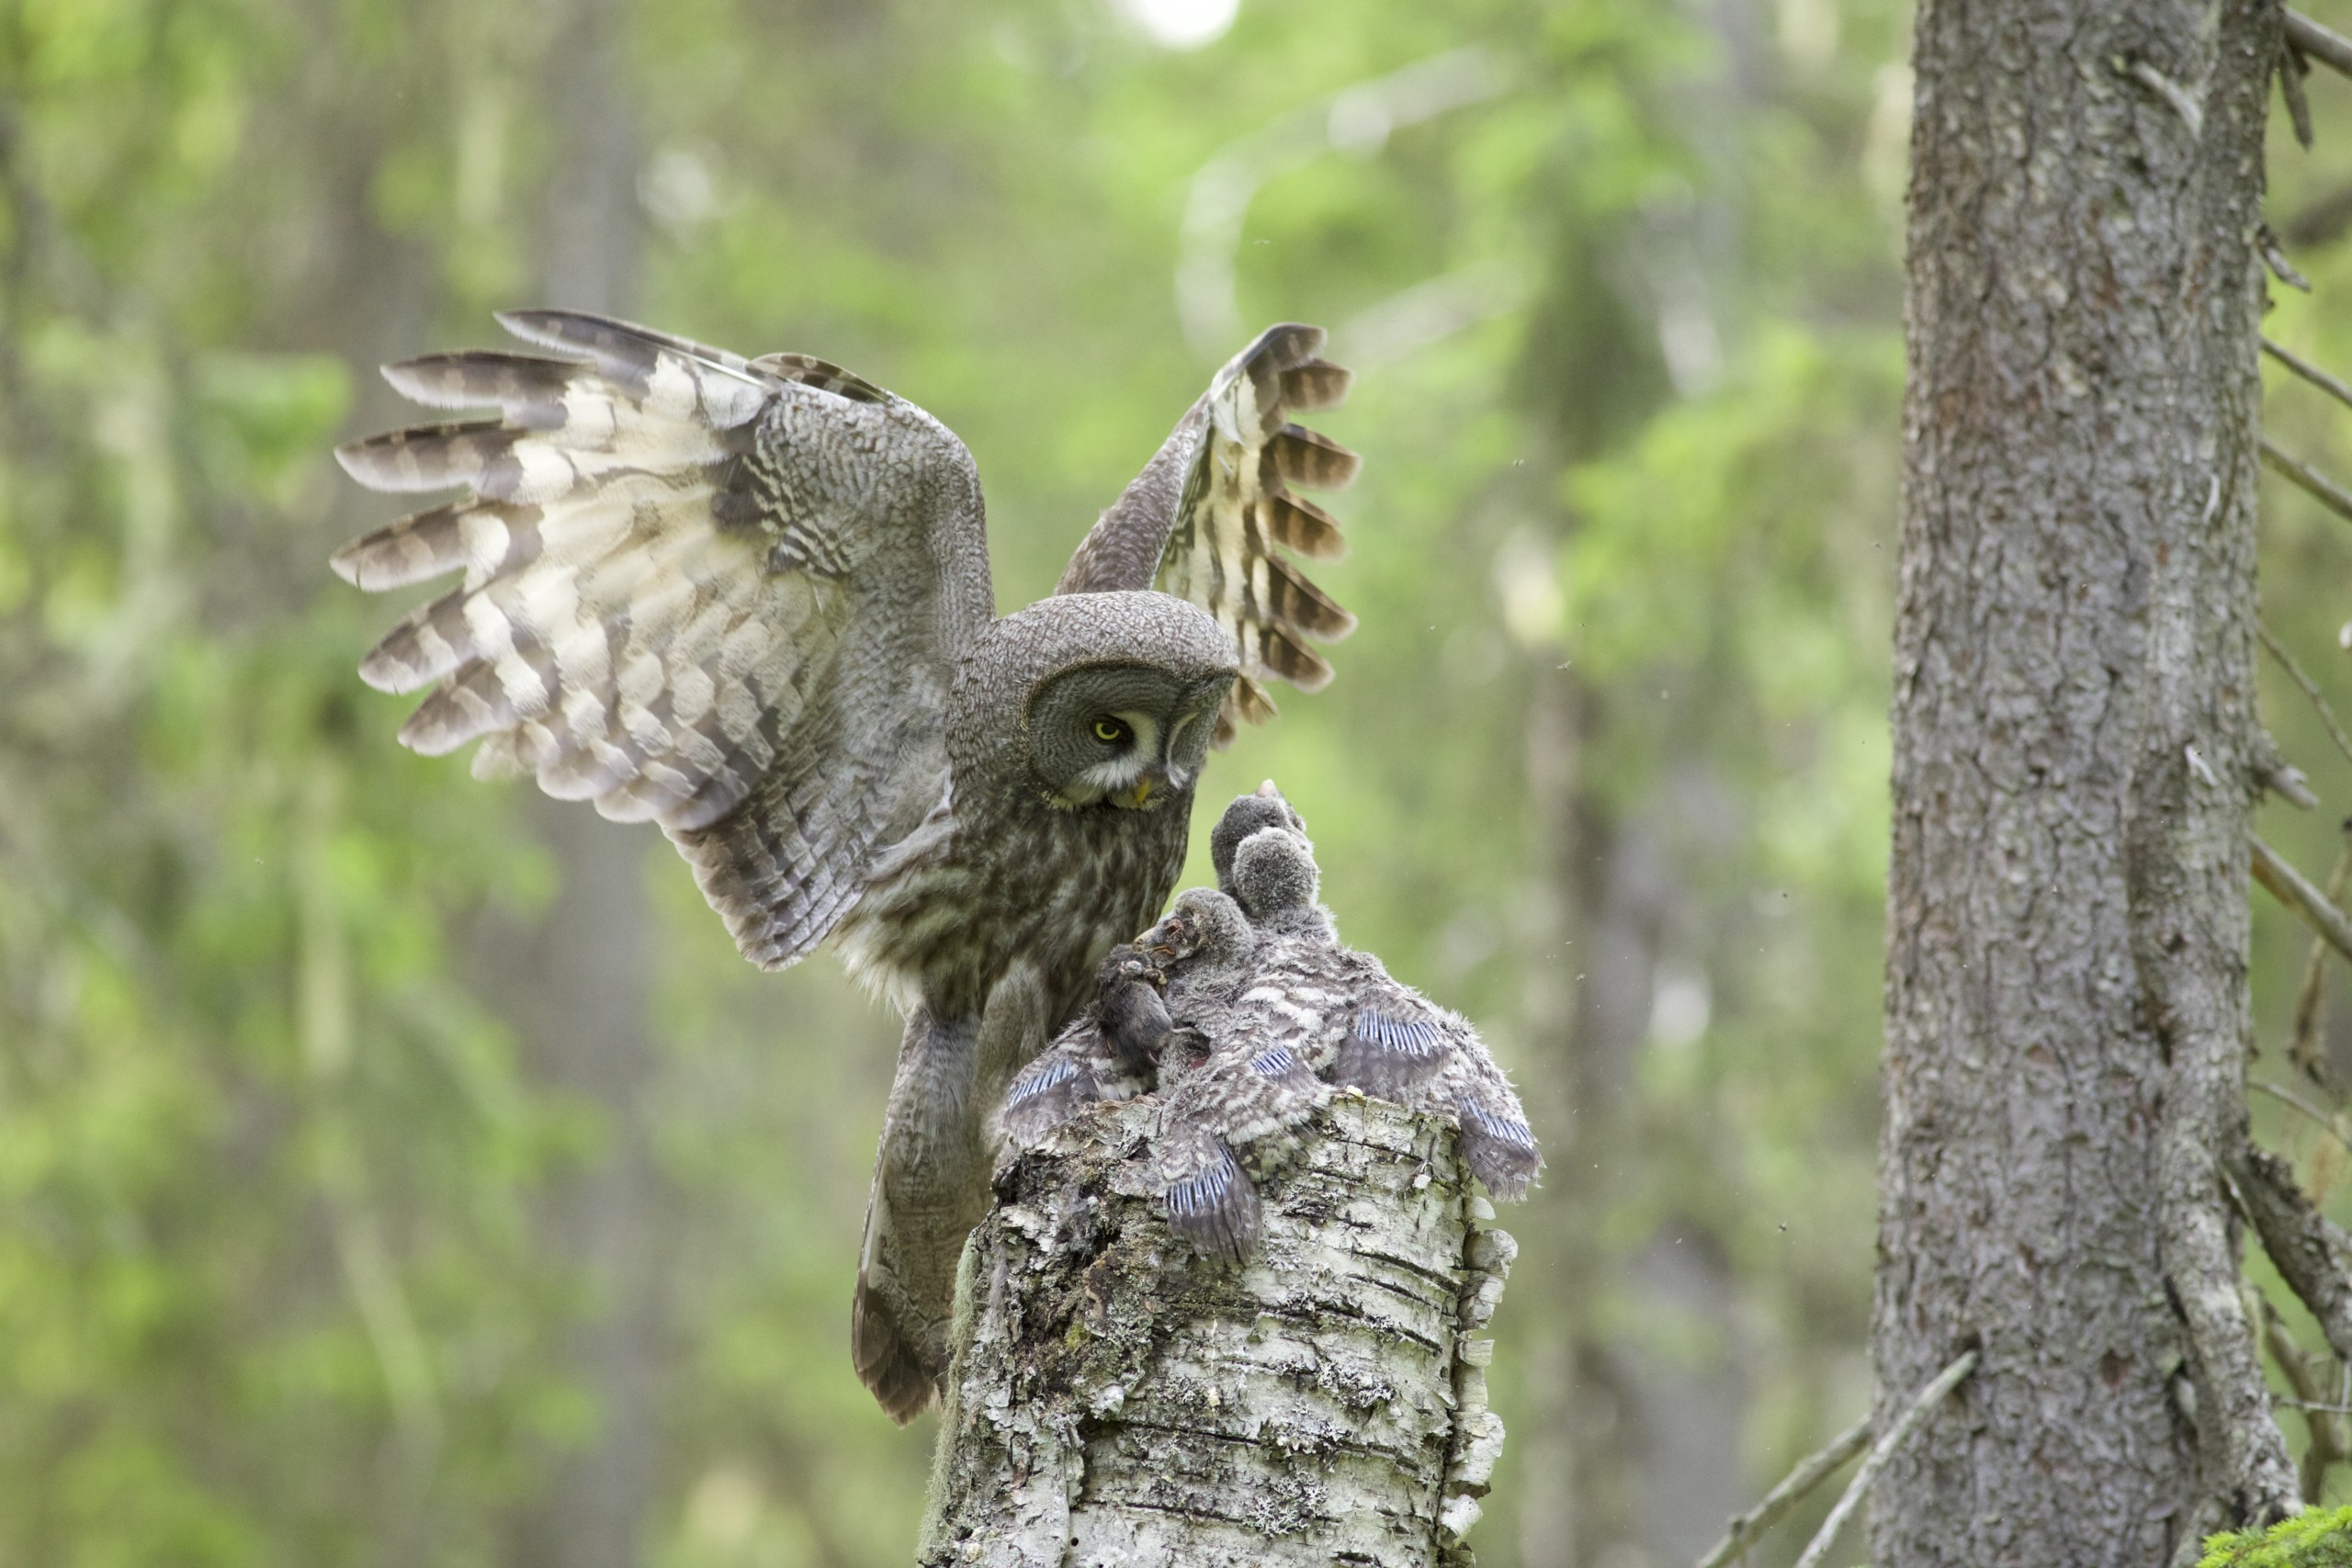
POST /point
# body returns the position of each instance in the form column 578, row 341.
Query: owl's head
column 1109, row 699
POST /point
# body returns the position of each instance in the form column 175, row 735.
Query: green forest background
column 398, row 1170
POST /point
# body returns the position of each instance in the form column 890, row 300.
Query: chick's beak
column 1169, row 940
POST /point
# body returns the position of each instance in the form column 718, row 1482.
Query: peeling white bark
column 1116, row 1399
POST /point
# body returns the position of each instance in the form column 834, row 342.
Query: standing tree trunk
column 1115, row 1400
column 1625, row 1451
column 580, row 992
column 2075, row 742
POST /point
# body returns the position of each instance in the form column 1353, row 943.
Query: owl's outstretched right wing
column 720, row 594
column 1205, row 517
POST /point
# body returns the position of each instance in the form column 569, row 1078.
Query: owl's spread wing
column 1205, row 517
column 723, row 596
column 1496, row 1140
column 1211, row 1200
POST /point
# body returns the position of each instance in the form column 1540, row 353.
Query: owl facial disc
column 1127, row 735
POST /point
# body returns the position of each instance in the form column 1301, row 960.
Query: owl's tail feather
column 888, row 1362
column 898, row 1349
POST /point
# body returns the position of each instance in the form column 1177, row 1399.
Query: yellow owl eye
column 1110, row 731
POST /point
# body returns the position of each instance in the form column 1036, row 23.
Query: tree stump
column 1115, row 1399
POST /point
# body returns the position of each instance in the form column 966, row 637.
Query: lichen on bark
column 1115, row 1399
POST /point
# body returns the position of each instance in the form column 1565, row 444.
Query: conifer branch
column 2292, row 888
column 2331, row 385
column 2310, row 481
column 2313, row 1255
column 2296, row 674
column 1746, row 1529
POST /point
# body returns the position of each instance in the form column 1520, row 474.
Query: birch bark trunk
column 2074, row 744
column 1115, row 1400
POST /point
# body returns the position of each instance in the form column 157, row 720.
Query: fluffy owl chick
column 1205, row 949
column 1122, row 1044
column 1368, row 1031
column 1228, row 1079
column 1108, row 1051
column 1266, row 808
column 1237, row 1097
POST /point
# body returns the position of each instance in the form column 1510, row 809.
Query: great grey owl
column 749, row 600
column 1261, row 1011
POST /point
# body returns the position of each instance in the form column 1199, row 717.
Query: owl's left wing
column 1205, row 518
column 726, row 595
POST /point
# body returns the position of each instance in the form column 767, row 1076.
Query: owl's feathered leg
column 931, row 1186
column 898, row 1327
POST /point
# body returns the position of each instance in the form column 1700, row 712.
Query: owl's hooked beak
column 1134, row 797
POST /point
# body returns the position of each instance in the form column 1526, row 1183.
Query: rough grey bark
column 1115, row 1399
column 2075, row 750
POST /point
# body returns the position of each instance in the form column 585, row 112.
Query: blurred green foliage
column 274, row 1283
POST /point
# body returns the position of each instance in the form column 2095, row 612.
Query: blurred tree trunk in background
column 2074, row 744
column 578, row 989
column 1630, row 1450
